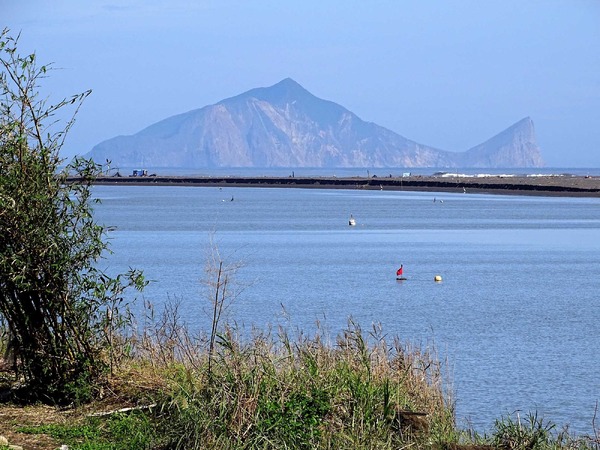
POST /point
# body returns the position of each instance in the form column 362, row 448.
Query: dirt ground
column 12, row 418
column 15, row 416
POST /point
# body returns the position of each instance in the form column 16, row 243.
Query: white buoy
column 437, row 278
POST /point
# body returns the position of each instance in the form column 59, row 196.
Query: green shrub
column 61, row 312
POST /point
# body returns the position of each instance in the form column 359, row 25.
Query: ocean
column 516, row 314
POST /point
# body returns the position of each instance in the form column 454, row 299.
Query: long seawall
column 557, row 185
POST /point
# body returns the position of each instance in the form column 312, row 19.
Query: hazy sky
column 449, row 74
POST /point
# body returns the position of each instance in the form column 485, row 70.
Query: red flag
column 399, row 271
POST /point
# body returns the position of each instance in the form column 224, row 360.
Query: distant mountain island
column 286, row 126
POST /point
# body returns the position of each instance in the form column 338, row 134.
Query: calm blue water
column 517, row 313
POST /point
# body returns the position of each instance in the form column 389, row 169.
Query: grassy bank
column 269, row 391
column 273, row 391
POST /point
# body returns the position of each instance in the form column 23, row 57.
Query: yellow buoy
column 437, row 278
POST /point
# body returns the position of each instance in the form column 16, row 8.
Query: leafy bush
column 60, row 310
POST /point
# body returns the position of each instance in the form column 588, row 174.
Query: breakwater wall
column 524, row 185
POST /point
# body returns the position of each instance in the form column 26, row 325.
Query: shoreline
column 544, row 185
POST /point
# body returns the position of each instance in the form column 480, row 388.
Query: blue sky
column 449, row 74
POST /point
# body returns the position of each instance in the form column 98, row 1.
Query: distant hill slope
column 286, row 126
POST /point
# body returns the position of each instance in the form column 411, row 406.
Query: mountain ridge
column 285, row 125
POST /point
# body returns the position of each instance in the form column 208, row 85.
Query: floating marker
column 437, row 278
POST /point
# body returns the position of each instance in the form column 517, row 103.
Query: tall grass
column 276, row 391
column 272, row 390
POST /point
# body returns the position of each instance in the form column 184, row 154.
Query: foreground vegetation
column 59, row 309
column 79, row 371
column 272, row 392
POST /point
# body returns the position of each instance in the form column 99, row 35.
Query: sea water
column 517, row 314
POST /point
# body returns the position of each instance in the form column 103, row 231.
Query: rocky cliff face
column 286, row 126
column 514, row 147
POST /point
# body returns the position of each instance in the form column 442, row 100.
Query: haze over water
column 516, row 315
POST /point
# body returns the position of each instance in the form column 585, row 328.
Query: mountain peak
column 525, row 123
column 285, row 91
column 514, row 147
column 523, row 128
column 288, row 83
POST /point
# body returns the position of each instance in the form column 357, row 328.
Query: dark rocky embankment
column 563, row 185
